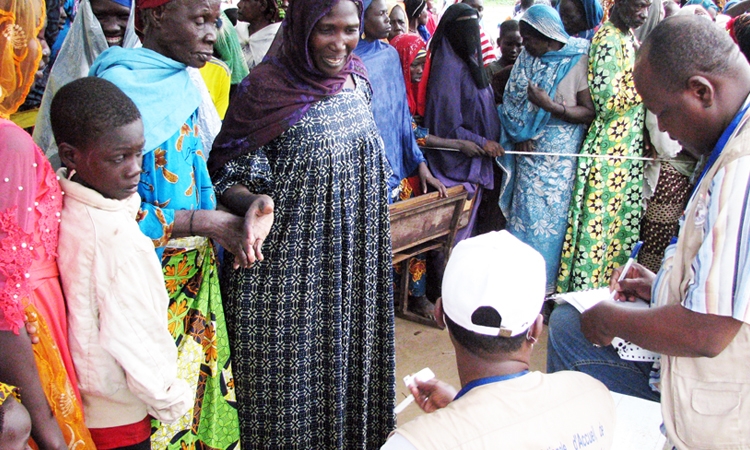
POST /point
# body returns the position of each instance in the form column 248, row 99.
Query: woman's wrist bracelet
column 192, row 214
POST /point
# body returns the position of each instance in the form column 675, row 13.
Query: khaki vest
column 563, row 410
column 705, row 401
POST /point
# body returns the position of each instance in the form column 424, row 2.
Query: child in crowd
column 117, row 304
column 510, row 44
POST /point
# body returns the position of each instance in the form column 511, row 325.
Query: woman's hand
column 539, row 97
column 425, row 177
column 32, row 327
column 636, row 285
column 433, row 394
column 493, row 149
column 470, row 148
column 258, row 222
column 525, row 146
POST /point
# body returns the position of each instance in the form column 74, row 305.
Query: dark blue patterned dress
column 312, row 326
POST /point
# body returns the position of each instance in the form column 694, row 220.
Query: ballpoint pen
column 628, row 265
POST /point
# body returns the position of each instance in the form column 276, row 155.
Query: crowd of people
column 195, row 246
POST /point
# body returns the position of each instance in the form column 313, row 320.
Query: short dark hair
column 84, row 109
column 481, row 345
column 683, row 46
column 507, row 27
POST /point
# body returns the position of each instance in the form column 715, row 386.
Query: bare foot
column 421, row 306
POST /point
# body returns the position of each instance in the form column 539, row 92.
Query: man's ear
column 536, row 328
column 158, row 13
column 69, row 155
column 439, row 313
column 702, row 90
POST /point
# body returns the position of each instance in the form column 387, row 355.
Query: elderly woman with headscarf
column 606, row 206
column 178, row 209
column 99, row 25
column 30, row 205
column 312, row 324
column 581, row 18
column 546, row 109
column 456, row 100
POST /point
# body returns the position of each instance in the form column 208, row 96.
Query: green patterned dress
column 606, row 205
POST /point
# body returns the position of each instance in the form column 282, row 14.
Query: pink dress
column 30, row 204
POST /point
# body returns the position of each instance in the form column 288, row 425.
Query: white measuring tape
column 567, row 155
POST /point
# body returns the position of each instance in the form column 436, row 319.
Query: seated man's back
column 567, row 410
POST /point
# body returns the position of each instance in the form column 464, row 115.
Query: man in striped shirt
column 697, row 83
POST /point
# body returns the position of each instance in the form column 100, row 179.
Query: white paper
column 583, row 300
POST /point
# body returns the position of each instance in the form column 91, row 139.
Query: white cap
column 494, row 284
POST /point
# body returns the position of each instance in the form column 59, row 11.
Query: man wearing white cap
column 493, row 290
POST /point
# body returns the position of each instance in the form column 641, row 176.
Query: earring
column 531, row 338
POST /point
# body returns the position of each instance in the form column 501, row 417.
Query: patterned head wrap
column 20, row 52
column 546, row 20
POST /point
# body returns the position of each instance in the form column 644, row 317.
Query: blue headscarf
column 520, row 119
column 159, row 86
column 126, row 3
column 594, row 14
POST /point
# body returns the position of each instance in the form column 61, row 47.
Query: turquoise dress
column 537, row 189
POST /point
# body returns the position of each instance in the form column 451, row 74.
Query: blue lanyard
column 482, row 381
column 720, row 144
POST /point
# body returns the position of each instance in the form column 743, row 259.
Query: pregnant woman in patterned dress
column 311, row 324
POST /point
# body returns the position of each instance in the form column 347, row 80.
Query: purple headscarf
column 280, row 90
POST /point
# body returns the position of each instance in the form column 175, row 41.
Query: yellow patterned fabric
column 7, row 391
column 57, row 387
column 20, row 52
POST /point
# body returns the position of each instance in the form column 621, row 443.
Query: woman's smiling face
column 334, row 38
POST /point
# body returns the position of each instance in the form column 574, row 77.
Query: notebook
column 583, row 300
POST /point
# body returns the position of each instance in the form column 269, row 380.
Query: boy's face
column 510, row 46
column 111, row 164
column 377, row 22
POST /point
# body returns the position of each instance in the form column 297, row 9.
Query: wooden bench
column 425, row 223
